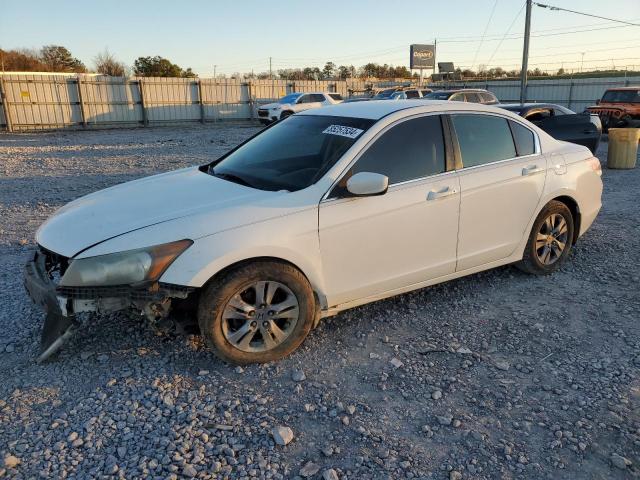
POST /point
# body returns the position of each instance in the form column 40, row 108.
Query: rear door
column 502, row 178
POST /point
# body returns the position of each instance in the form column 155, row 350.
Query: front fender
column 292, row 238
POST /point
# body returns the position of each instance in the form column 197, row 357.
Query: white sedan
column 329, row 209
column 294, row 103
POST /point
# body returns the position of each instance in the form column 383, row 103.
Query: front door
column 372, row 245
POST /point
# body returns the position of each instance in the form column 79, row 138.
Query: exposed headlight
column 123, row 268
column 277, row 107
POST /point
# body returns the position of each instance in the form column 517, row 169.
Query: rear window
column 336, row 96
column 438, row 95
column 483, row 139
column 622, row 96
column 523, row 137
column 412, row 94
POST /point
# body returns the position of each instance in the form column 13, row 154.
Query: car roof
column 527, row 105
column 376, row 109
column 623, row 88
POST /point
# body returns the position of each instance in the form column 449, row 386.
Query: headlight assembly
column 123, row 268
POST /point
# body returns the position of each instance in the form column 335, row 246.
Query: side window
column 538, row 115
column 483, row 139
column 410, row 150
column 525, row 143
column 316, row 97
column 473, row 97
column 457, row 97
column 412, row 94
column 304, row 99
column 488, row 97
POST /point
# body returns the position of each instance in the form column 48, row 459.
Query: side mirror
column 365, row 184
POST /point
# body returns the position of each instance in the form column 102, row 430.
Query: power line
column 554, row 8
column 484, row 33
column 507, row 32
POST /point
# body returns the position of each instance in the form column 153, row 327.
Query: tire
column 545, row 256
column 239, row 329
column 285, row 114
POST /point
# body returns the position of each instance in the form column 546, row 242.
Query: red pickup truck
column 619, row 107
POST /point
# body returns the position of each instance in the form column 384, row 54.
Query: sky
column 241, row 36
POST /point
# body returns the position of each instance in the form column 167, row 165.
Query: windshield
column 292, row 154
column 438, row 95
column 290, row 98
column 622, row 96
column 385, row 93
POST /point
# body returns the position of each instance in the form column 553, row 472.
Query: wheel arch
column 321, row 300
column 573, row 206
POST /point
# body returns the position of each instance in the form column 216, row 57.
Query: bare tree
column 106, row 64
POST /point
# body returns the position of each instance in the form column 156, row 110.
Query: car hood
column 133, row 205
column 270, row 106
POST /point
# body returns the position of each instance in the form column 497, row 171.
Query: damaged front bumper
column 61, row 304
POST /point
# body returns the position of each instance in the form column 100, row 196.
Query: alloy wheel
column 260, row 317
column 551, row 239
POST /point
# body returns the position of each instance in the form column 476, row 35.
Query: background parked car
column 475, row 95
column 410, row 94
column 561, row 123
column 296, row 102
column 619, row 107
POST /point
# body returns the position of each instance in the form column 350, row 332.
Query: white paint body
column 352, row 250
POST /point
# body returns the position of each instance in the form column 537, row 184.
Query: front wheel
column 257, row 313
column 550, row 240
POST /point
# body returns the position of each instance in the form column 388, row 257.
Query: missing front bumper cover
column 62, row 303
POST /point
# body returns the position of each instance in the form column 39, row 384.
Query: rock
column 330, row 474
column 309, row 470
column 455, row 475
column 102, row 358
column 298, row 376
column 445, row 419
column 345, row 420
column 282, row 435
column 396, row 362
column 189, row 471
column 9, row 348
column 437, row 395
column 464, row 351
column 502, row 365
column 239, row 369
column 202, row 373
column 351, row 409
column 11, row 462
column 373, row 356
column 617, row 461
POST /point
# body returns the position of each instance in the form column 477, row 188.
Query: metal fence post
column 5, row 105
column 145, row 117
column 251, row 106
column 200, row 100
column 83, row 113
column 570, row 93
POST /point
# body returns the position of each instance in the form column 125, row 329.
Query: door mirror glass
column 364, row 184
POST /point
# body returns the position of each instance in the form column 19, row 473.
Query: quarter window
column 412, row 149
column 525, row 143
column 483, row 139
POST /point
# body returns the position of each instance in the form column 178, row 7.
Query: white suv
column 296, row 102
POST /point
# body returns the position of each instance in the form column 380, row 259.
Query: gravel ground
column 497, row 375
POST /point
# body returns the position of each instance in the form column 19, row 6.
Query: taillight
column 594, row 163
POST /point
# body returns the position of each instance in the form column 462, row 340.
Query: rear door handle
column 531, row 170
column 444, row 192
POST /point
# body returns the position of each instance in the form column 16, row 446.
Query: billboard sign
column 422, row 56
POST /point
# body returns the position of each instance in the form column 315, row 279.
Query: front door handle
column 444, row 192
column 530, row 170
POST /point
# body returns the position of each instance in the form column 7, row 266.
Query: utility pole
column 270, row 74
column 525, row 54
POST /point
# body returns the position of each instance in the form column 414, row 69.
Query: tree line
column 56, row 58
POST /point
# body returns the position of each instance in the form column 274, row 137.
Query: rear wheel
column 550, row 240
column 257, row 313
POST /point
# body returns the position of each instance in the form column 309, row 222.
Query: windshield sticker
column 349, row 132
